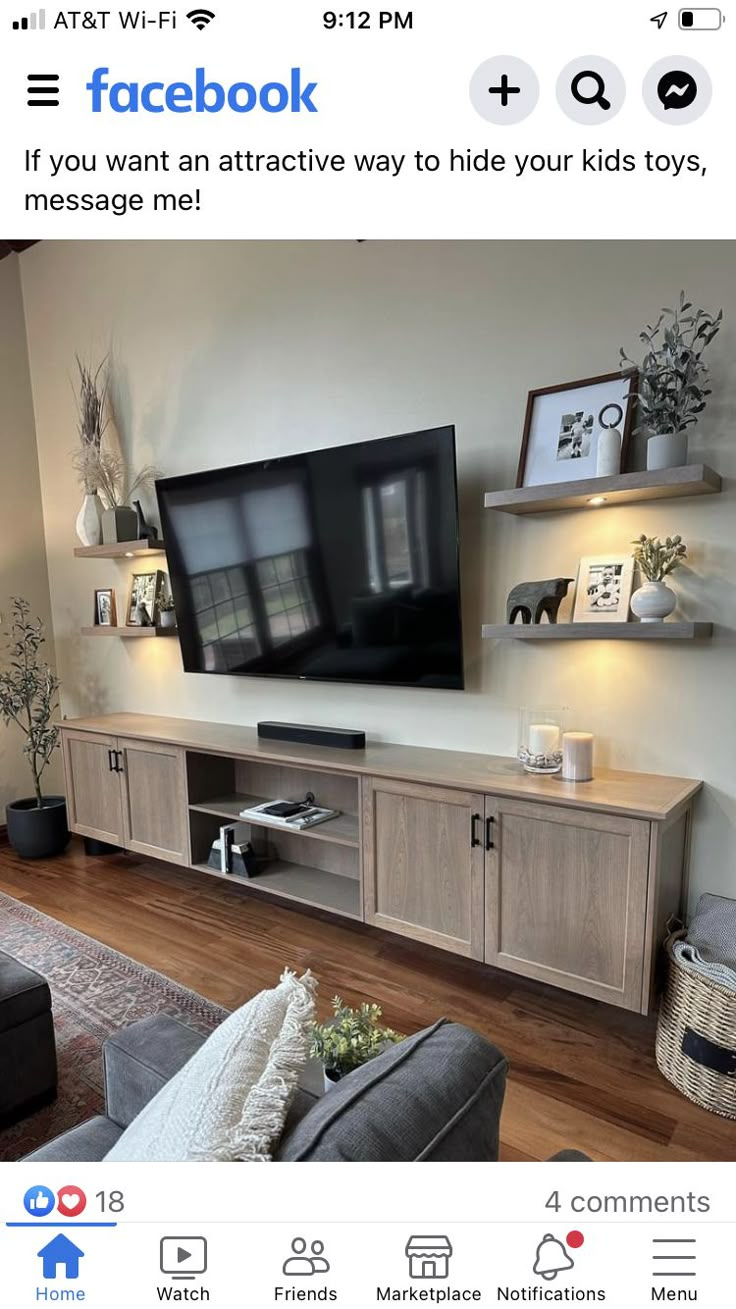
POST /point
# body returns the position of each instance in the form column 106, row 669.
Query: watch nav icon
column 183, row 1257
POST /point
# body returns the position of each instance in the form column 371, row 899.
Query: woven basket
column 696, row 1037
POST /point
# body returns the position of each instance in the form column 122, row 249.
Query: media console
column 568, row 883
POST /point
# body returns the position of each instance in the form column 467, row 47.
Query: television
column 337, row 565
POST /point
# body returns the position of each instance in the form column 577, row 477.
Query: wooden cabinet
column 568, row 884
column 154, row 790
column 93, row 792
column 129, row 793
column 566, row 898
column 423, row 863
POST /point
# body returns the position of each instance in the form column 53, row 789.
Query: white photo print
column 604, row 589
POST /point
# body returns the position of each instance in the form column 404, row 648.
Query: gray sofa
column 435, row 1096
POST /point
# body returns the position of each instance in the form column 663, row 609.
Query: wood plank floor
column 582, row 1073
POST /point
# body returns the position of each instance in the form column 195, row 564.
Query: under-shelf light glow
column 597, row 500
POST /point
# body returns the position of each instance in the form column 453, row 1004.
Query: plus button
column 504, row 90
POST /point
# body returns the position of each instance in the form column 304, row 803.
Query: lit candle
column 577, row 757
column 544, row 738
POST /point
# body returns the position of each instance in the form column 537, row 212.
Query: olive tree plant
column 28, row 692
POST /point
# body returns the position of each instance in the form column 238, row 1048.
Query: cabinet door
column 93, row 790
column 423, row 864
column 155, row 814
column 566, row 898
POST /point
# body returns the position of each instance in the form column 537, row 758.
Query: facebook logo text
column 201, row 96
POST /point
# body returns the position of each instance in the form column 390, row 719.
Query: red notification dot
column 575, row 1240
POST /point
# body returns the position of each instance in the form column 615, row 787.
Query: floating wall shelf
column 121, row 550
column 127, row 632
column 626, row 488
column 597, row 631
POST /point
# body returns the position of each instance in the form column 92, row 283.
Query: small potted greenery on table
column 37, row 826
column 654, row 601
column 350, row 1039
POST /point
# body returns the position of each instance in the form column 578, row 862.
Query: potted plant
column 654, row 601
column 349, row 1039
column 92, row 422
column 167, row 612
column 37, row 827
column 119, row 518
column 673, row 380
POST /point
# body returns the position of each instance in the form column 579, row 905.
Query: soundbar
column 340, row 738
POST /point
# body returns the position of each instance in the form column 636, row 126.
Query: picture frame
column 562, row 425
column 603, row 590
column 147, row 589
column 105, row 608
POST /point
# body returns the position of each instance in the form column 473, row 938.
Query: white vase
column 608, row 459
column 89, row 520
column 667, row 450
column 653, row 602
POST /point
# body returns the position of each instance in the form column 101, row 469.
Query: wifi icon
column 200, row 17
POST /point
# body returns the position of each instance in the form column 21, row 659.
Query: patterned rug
column 95, row 991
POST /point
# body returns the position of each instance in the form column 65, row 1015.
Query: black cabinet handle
column 489, row 833
column 118, row 763
column 111, row 761
column 474, row 838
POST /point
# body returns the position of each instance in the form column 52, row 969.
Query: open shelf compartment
column 320, row 866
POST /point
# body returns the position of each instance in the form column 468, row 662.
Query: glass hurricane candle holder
column 540, row 739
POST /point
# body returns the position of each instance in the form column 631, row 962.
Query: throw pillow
column 231, row 1100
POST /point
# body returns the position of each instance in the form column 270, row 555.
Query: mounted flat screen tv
column 340, row 565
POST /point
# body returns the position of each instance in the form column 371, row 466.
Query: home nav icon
column 429, row 1257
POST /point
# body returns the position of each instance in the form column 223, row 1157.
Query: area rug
column 95, row 991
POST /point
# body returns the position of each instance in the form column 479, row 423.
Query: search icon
column 591, row 90
column 596, row 84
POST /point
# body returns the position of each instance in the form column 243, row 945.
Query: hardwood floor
column 582, row 1073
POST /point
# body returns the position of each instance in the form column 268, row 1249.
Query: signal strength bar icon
column 35, row 22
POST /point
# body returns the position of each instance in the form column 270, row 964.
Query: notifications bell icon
column 552, row 1258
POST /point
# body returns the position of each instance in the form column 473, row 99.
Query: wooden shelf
column 342, row 830
column 127, row 632
column 309, row 886
column 597, row 631
column 626, row 488
column 121, row 550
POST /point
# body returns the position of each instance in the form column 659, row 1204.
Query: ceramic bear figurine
column 533, row 599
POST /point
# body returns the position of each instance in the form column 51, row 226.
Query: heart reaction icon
column 71, row 1201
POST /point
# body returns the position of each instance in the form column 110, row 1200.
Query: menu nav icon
column 43, row 90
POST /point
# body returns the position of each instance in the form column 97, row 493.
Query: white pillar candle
column 544, row 738
column 577, row 757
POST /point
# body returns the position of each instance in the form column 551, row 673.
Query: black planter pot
column 38, row 833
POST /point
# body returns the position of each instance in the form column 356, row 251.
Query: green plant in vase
column 656, row 559
column 37, row 826
column 167, row 612
column 672, row 387
column 350, row 1039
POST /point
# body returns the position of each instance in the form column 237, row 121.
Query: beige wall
column 22, row 549
column 229, row 352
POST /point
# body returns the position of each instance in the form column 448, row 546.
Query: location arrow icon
column 660, row 19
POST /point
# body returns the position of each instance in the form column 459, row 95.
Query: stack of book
column 288, row 814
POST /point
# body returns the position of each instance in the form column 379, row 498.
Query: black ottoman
column 27, row 1046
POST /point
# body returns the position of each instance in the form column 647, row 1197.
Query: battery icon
column 700, row 20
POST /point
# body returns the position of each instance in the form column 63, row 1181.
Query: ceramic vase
column 667, row 450
column 89, row 520
column 118, row 525
column 608, row 459
column 167, row 618
column 653, row 602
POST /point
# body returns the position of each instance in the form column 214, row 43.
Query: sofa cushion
column 140, row 1059
column 88, row 1143
column 24, row 994
column 231, row 1099
column 437, row 1096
